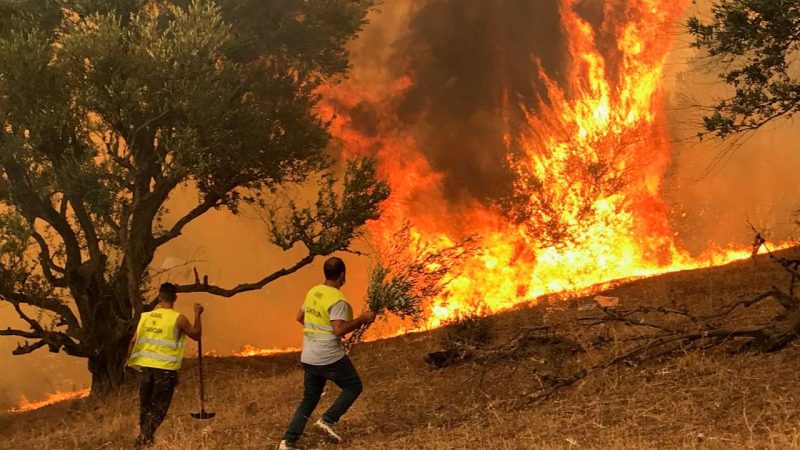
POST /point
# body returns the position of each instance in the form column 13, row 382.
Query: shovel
column 203, row 414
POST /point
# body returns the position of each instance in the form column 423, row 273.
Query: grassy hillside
column 697, row 400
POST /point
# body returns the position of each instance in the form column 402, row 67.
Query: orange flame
column 588, row 207
column 250, row 350
column 55, row 397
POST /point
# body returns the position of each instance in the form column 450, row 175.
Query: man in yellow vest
column 157, row 351
column 326, row 317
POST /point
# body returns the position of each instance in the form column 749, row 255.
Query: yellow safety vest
column 317, row 319
column 159, row 343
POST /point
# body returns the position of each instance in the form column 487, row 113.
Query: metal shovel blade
column 203, row 415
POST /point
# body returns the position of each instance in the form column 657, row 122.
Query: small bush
column 468, row 330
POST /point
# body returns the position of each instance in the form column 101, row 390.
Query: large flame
column 588, row 207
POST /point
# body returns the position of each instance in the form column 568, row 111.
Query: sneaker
column 329, row 431
column 286, row 446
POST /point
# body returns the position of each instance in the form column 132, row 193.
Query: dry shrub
column 468, row 330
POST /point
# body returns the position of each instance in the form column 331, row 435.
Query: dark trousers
column 344, row 374
column 155, row 396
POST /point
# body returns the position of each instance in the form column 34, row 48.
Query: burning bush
column 403, row 281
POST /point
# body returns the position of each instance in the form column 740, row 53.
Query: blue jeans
column 344, row 374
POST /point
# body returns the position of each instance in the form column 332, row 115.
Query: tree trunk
column 107, row 367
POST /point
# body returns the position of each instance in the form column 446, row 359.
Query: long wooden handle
column 200, row 364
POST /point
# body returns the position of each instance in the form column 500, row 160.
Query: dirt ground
column 710, row 399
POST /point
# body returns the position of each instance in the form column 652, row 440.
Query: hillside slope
column 697, row 400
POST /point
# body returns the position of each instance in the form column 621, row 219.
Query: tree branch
column 26, row 348
column 55, row 340
column 203, row 286
column 33, row 206
column 211, row 201
column 89, row 231
column 65, row 314
column 46, row 259
column 19, row 333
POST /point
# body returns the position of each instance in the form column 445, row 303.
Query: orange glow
column 589, row 178
column 250, row 350
column 55, row 397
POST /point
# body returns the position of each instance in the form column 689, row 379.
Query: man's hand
column 367, row 316
column 193, row 331
column 341, row 328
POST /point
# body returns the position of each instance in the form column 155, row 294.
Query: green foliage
column 335, row 220
column 411, row 273
column 14, row 242
column 108, row 106
column 388, row 294
column 755, row 42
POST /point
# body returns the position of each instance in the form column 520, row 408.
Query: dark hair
column 168, row 291
column 334, row 268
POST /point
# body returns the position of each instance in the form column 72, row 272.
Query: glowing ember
column 56, row 397
column 250, row 350
column 587, row 207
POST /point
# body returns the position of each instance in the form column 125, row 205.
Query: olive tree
column 107, row 107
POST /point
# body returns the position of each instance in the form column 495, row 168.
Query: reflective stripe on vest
column 319, row 327
column 161, row 342
column 158, row 344
column 156, row 356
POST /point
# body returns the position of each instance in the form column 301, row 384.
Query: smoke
column 716, row 187
column 470, row 63
column 471, row 66
column 452, row 74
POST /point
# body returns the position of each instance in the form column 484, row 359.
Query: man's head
column 167, row 293
column 335, row 271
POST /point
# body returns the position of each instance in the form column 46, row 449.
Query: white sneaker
column 286, row 446
column 329, row 431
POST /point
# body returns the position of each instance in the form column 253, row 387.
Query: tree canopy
column 108, row 106
column 756, row 44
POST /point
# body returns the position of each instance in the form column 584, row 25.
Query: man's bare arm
column 343, row 327
column 193, row 331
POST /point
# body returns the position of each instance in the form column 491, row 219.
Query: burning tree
column 108, row 107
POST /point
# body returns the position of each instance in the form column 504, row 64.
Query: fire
column 587, row 206
column 55, row 397
column 250, row 350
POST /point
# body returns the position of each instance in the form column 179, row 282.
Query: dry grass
column 699, row 400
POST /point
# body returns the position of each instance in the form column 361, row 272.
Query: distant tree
column 108, row 106
column 756, row 42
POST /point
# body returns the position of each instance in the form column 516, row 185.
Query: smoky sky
column 473, row 63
